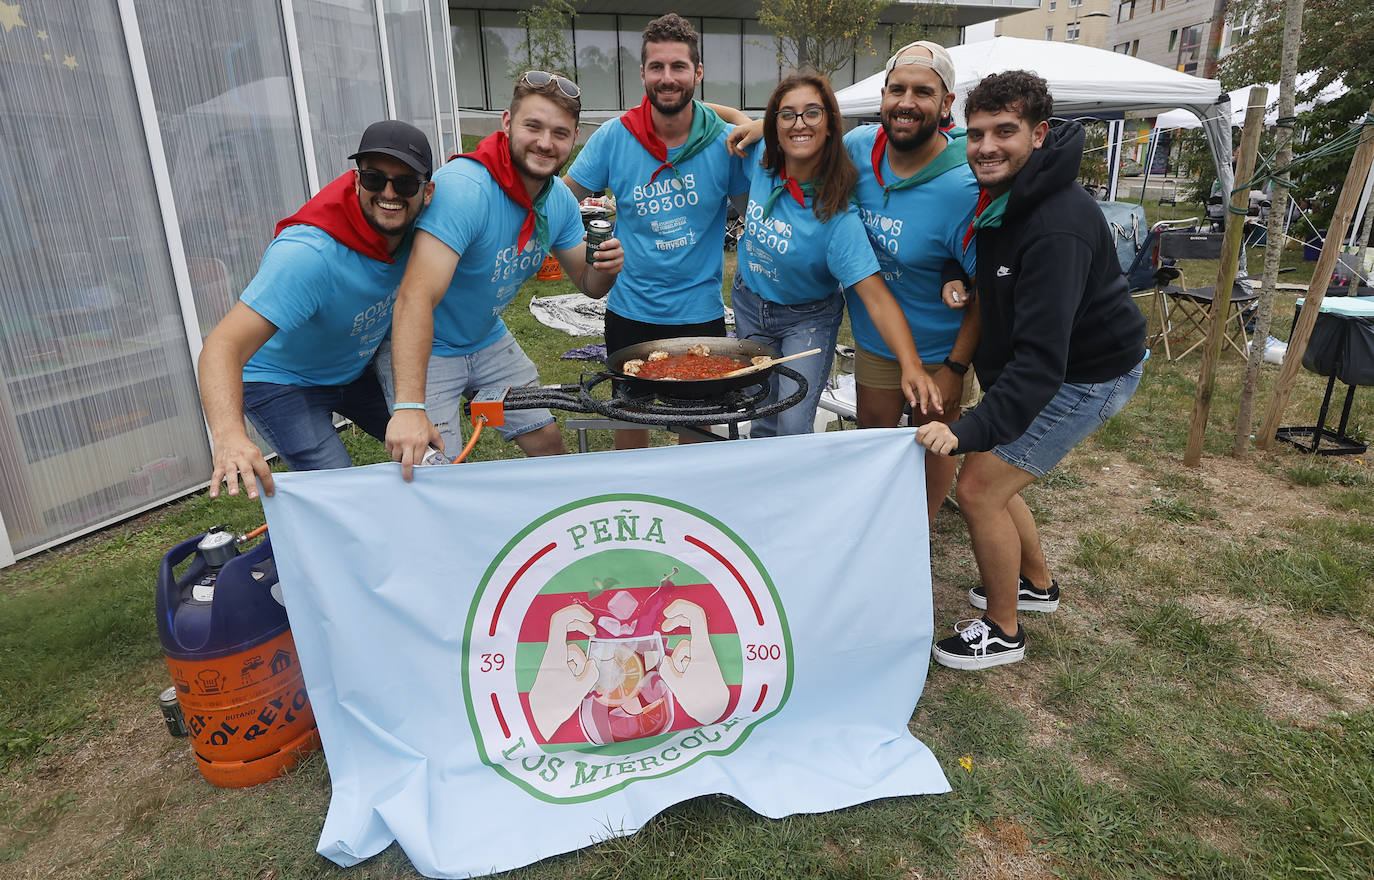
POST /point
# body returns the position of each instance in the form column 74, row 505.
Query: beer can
column 171, row 713
column 597, row 232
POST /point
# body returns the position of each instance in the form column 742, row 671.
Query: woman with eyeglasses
column 803, row 244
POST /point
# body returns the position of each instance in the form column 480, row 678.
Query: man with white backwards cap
column 916, row 197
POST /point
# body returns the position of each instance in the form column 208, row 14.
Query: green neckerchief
column 541, row 217
column 706, row 127
column 952, row 156
column 991, row 216
column 798, row 191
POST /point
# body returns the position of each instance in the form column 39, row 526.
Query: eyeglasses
column 538, row 79
column 373, row 180
column 809, row 117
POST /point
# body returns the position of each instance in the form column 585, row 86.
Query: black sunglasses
column 539, row 79
column 373, row 180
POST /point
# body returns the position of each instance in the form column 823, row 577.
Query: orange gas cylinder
column 550, row 270
column 228, row 646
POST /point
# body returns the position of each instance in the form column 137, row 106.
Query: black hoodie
column 1054, row 304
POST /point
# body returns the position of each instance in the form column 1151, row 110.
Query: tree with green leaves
column 821, row 35
column 548, row 25
column 1336, row 40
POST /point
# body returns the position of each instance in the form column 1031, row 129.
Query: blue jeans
column 503, row 364
column 792, row 328
column 297, row 421
column 1075, row 411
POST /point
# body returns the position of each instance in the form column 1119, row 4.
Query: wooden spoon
column 768, row 362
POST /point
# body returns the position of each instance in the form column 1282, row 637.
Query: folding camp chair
column 1140, row 274
column 1192, row 305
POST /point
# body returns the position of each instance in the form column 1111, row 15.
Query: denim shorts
column 297, row 421
column 1075, row 411
column 448, row 380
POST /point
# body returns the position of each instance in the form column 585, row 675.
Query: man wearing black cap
column 298, row 346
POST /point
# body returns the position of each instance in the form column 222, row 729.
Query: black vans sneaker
column 1028, row 598
column 979, row 644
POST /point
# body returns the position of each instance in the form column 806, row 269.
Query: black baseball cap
column 401, row 140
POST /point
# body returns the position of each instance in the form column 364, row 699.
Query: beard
column 384, row 225
column 523, row 167
column 914, row 141
column 670, row 105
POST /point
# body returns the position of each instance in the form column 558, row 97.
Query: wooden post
column 1226, row 274
column 1316, row 290
column 1275, row 233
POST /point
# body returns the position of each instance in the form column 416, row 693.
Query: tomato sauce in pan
column 690, row 366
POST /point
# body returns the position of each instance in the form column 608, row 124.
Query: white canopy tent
column 1084, row 81
column 1240, row 98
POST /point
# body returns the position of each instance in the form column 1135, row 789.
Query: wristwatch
column 958, row 368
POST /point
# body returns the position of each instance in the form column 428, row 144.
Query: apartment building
column 1062, row 21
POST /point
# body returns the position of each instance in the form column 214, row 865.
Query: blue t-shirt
column 330, row 304
column 790, row 256
column 913, row 235
column 672, row 230
column 471, row 214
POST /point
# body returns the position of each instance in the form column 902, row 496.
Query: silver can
column 171, row 713
column 597, row 232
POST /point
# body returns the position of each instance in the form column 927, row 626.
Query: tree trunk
column 1274, row 236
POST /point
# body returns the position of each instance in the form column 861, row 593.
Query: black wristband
column 958, row 368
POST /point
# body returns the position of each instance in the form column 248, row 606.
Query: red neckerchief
column 984, row 199
column 335, row 209
column 879, row 145
column 493, row 151
column 639, row 122
column 793, row 187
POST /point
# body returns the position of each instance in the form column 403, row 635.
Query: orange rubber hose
column 477, row 424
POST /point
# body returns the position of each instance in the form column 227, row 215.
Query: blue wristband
column 400, row 406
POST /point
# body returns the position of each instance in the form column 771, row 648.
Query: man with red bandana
column 916, row 197
column 667, row 163
column 298, row 346
column 497, row 213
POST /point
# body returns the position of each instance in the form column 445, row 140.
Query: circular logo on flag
column 619, row 638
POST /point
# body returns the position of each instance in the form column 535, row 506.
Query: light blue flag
column 509, row 660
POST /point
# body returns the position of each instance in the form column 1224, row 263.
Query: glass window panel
column 761, row 71
column 99, row 414
column 631, row 32
column 448, row 122
column 342, row 60
column 467, row 58
column 411, row 81
column 722, row 56
column 501, row 39
column 598, row 72
column 221, row 86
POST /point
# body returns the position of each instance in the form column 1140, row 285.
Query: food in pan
column 632, row 367
column 685, row 366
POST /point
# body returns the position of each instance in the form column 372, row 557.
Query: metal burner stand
column 625, row 410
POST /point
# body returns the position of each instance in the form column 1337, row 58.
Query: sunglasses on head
column 538, row 79
column 405, row 186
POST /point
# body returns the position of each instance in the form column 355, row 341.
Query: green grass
column 1155, row 729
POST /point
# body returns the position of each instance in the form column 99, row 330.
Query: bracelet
column 400, row 406
column 958, row 368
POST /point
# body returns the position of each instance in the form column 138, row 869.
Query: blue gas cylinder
column 228, row 645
